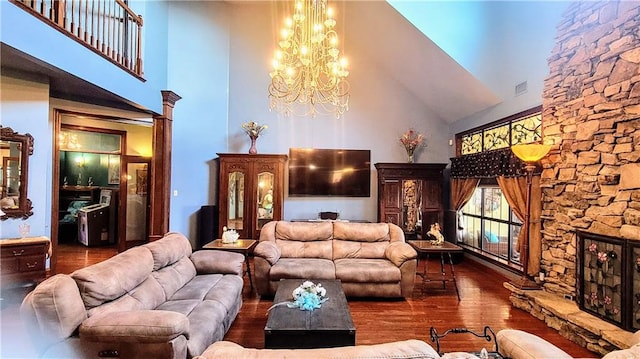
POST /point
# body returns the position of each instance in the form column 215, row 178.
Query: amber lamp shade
column 531, row 152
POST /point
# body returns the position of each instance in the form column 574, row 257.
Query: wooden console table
column 23, row 260
column 426, row 248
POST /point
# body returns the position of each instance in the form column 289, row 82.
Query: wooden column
column 161, row 168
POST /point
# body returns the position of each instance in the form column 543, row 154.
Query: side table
column 426, row 248
column 242, row 246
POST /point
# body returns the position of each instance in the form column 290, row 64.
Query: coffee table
column 242, row 246
column 292, row 328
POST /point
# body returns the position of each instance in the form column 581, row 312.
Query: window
column 524, row 127
column 488, row 225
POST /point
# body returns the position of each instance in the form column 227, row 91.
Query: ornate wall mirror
column 15, row 150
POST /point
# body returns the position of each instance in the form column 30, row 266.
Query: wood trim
column 161, row 168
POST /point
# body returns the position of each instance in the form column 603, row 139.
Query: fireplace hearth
column 609, row 279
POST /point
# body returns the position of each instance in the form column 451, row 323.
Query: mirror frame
column 25, row 207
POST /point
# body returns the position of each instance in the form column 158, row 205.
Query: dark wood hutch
column 410, row 195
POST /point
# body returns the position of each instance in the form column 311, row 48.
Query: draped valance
column 488, row 164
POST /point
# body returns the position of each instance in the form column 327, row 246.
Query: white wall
column 24, row 106
column 198, row 72
column 522, row 36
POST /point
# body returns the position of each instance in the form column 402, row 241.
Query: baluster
column 104, row 25
column 118, row 36
column 73, row 17
column 138, row 48
column 86, row 21
column 109, row 20
column 79, row 33
column 93, row 16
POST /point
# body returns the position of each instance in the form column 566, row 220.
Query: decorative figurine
column 434, row 232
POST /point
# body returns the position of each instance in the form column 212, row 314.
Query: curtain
column 515, row 191
column 462, row 190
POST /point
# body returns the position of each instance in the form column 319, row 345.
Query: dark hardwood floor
column 484, row 301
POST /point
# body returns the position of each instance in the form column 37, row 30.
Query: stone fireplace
column 591, row 115
column 591, row 179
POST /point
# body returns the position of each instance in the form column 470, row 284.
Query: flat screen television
column 329, row 172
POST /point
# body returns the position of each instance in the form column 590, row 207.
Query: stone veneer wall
column 591, row 114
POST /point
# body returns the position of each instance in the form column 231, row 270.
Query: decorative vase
column 410, row 158
column 253, row 150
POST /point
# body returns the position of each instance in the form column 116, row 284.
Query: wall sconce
column 80, row 161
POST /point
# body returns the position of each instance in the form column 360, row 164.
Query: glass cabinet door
column 235, row 212
column 265, row 198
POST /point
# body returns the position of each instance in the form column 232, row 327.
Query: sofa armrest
column 138, row 326
column 517, row 344
column 269, row 251
column 400, row 252
column 217, row 262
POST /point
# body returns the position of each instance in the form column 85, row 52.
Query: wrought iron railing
column 108, row 27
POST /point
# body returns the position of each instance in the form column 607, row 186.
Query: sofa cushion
column 54, row 308
column 367, row 271
column 304, row 231
column 358, row 249
column 139, row 326
column 308, row 268
column 361, row 232
column 169, row 249
column 175, row 276
column 398, row 350
column 110, row 279
column 148, row 295
column 522, row 345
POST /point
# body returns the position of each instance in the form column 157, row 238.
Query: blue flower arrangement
column 307, row 296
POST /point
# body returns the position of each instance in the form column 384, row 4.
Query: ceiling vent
column 521, row 88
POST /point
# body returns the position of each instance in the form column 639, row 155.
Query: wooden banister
column 108, row 27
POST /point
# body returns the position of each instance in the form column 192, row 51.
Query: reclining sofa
column 158, row 300
column 370, row 259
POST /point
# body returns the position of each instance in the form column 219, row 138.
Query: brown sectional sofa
column 158, row 300
column 413, row 348
column 370, row 259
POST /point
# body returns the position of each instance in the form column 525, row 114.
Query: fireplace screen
column 608, row 286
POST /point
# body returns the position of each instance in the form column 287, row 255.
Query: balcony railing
column 108, row 27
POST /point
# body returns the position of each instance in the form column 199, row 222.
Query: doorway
column 109, row 165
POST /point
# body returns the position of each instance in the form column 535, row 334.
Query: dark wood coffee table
column 292, row 328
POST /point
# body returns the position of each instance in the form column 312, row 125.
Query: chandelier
column 308, row 77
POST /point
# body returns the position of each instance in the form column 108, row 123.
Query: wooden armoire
column 410, row 195
column 251, row 192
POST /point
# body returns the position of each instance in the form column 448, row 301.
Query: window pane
column 496, row 138
column 86, row 141
column 474, row 205
column 527, row 130
column 470, row 231
column 472, row 143
column 515, row 231
column 496, row 238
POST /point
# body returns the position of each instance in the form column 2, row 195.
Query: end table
column 242, row 246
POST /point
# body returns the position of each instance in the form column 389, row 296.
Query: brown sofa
column 158, row 300
column 514, row 344
column 397, row 350
column 518, row 344
column 370, row 259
